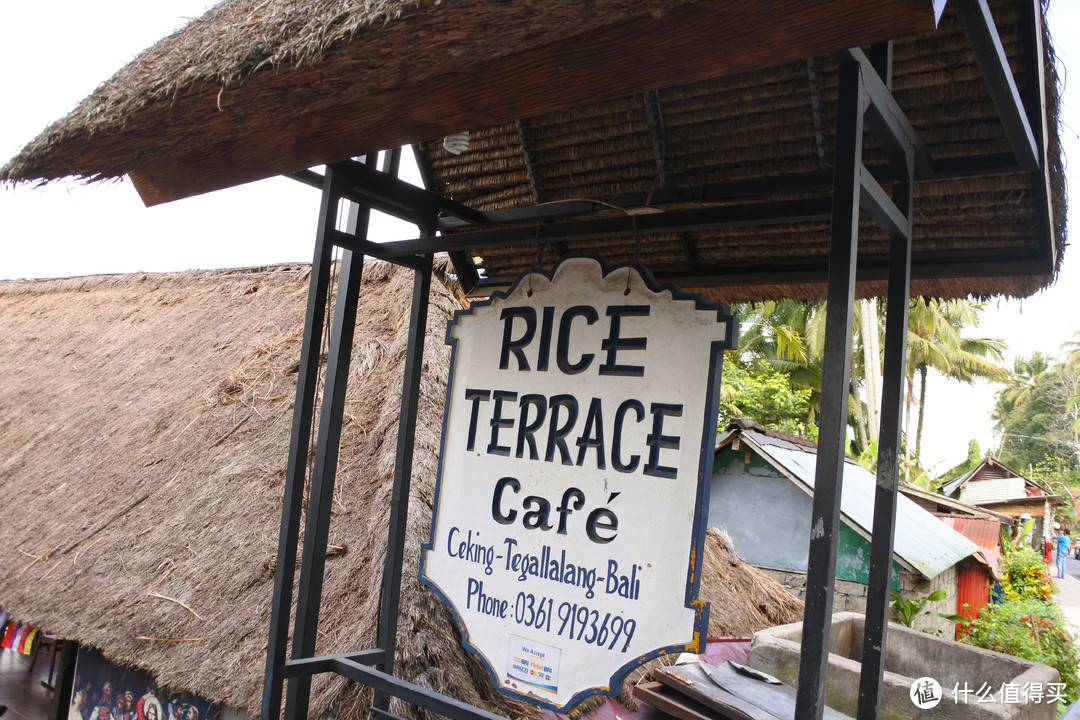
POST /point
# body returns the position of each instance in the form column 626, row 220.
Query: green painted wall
column 853, row 558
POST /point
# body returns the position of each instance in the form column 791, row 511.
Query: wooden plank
column 232, row 144
column 886, row 497
column 887, row 118
column 692, row 682
column 729, row 688
column 667, row 700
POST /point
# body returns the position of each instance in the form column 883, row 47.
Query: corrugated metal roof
column 922, row 541
column 934, row 503
column 948, row 488
column 984, row 533
column 988, row 469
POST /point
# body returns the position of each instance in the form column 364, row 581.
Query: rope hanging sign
column 574, row 474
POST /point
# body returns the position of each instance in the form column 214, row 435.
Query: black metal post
column 888, row 468
column 828, row 483
column 399, row 502
column 1034, row 98
column 64, row 683
column 436, row 703
column 982, row 32
column 320, row 500
column 881, row 57
column 300, row 438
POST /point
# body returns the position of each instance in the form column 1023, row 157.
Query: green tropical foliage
column 1031, row 629
column 787, row 339
column 1025, row 576
column 1010, row 541
column 937, row 341
column 763, row 393
column 1037, row 415
column 1019, row 383
column 1027, row 624
column 905, row 611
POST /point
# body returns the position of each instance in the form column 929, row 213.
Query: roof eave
column 237, row 148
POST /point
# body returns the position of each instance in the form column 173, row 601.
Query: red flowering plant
column 1031, row 629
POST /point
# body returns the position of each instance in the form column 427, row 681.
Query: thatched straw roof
column 143, row 443
column 247, row 66
column 626, row 103
column 745, row 132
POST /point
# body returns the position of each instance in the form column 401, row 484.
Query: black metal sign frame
column 864, row 97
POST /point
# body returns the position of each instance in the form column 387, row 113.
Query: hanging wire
column 637, row 253
column 539, row 259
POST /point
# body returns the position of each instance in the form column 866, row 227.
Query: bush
column 1029, row 629
column 1026, row 577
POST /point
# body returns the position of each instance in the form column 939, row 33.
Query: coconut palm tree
column 1071, row 362
column 1019, row 384
column 790, row 336
column 936, row 340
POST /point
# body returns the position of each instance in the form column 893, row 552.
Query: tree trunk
column 860, row 419
column 909, row 400
column 868, row 328
column 922, row 407
column 875, row 343
column 855, row 405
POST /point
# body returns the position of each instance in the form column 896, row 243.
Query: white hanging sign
column 574, row 475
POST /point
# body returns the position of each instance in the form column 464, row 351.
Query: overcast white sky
column 54, row 54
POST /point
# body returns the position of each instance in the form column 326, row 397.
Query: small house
column 980, row 525
column 992, row 485
column 762, row 494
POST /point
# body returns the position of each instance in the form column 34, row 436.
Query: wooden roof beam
column 742, row 215
column 924, row 266
column 525, row 135
column 876, row 203
column 468, row 275
column 393, row 196
column 722, row 192
column 979, row 26
column 1035, row 100
column 654, row 116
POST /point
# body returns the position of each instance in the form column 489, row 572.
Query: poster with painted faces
column 104, row 691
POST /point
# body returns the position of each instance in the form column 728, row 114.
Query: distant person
column 1063, row 544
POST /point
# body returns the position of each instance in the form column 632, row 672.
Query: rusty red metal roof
column 984, row 533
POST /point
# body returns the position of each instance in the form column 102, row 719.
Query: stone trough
column 911, row 655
